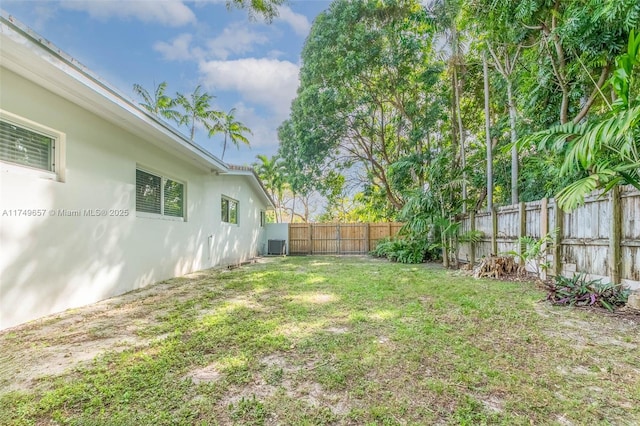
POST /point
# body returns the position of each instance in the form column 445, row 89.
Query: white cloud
column 167, row 12
column 264, row 132
column 269, row 82
column 274, row 54
column 299, row 23
column 179, row 49
column 235, row 39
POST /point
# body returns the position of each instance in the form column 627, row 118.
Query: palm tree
column 232, row 129
column 272, row 173
column 159, row 103
column 197, row 109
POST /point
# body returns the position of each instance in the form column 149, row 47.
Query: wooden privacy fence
column 600, row 238
column 338, row 238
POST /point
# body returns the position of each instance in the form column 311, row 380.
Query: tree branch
column 585, row 109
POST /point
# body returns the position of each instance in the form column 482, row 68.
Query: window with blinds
column 173, row 198
column 229, row 213
column 159, row 195
column 25, row 147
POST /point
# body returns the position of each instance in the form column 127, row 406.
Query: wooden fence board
column 338, row 238
column 298, row 238
column 585, row 239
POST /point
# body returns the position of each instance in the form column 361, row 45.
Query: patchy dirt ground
column 60, row 342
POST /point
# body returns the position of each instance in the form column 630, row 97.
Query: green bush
column 405, row 250
column 578, row 291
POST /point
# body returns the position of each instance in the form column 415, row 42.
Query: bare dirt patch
column 59, row 343
column 208, row 374
column 582, row 333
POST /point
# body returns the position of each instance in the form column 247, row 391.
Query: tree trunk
column 224, row 146
column 514, row 151
column 487, row 124
column 463, row 157
column 293, row 207
column 445, row 252
column 455, row 48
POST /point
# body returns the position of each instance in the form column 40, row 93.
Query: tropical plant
column 580, row 291
column 197, row 109
column 268, row 9
column 159, row 103
column 467, row 237
column 607, row 148
column 272, row 174
column 533, row 253
column 405, row 250
column 232, row 129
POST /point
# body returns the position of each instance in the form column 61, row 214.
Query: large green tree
column 366, row 97
column 607, row 148
column 574, row 45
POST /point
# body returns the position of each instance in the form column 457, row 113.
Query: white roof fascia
column 29, row 55
column 257, row 184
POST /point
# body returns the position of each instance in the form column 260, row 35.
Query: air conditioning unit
column 277, row 247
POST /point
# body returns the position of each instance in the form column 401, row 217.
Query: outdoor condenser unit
column 277, row 247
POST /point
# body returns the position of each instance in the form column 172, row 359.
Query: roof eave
column 65, row 76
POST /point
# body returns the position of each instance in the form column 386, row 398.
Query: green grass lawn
column 327, row 340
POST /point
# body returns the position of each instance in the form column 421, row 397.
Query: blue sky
column 248, row 65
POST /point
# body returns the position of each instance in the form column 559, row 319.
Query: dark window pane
column 233, row 212
column 225, row 210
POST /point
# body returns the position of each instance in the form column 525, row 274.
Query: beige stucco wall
column 51, row 263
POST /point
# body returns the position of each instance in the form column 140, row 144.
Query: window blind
column 173, row 198
column 25, row 147
column 148, row 192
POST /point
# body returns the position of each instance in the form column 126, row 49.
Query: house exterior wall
column 54, row 262
column 277, row 231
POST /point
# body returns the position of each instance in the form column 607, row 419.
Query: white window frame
column 237, row 203
column 59, row 149
column 163, row 179
column 263, row 218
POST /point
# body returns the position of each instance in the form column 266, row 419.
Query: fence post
column 472, row 227
column 494, row 231
column 615, row 250
column 522, row 231
column 557, row 240
column 544, row 230
column 309, row 242
column 366, row 238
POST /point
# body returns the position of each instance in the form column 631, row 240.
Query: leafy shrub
column 533, row 252
column 578, row 291
column 405, row 250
